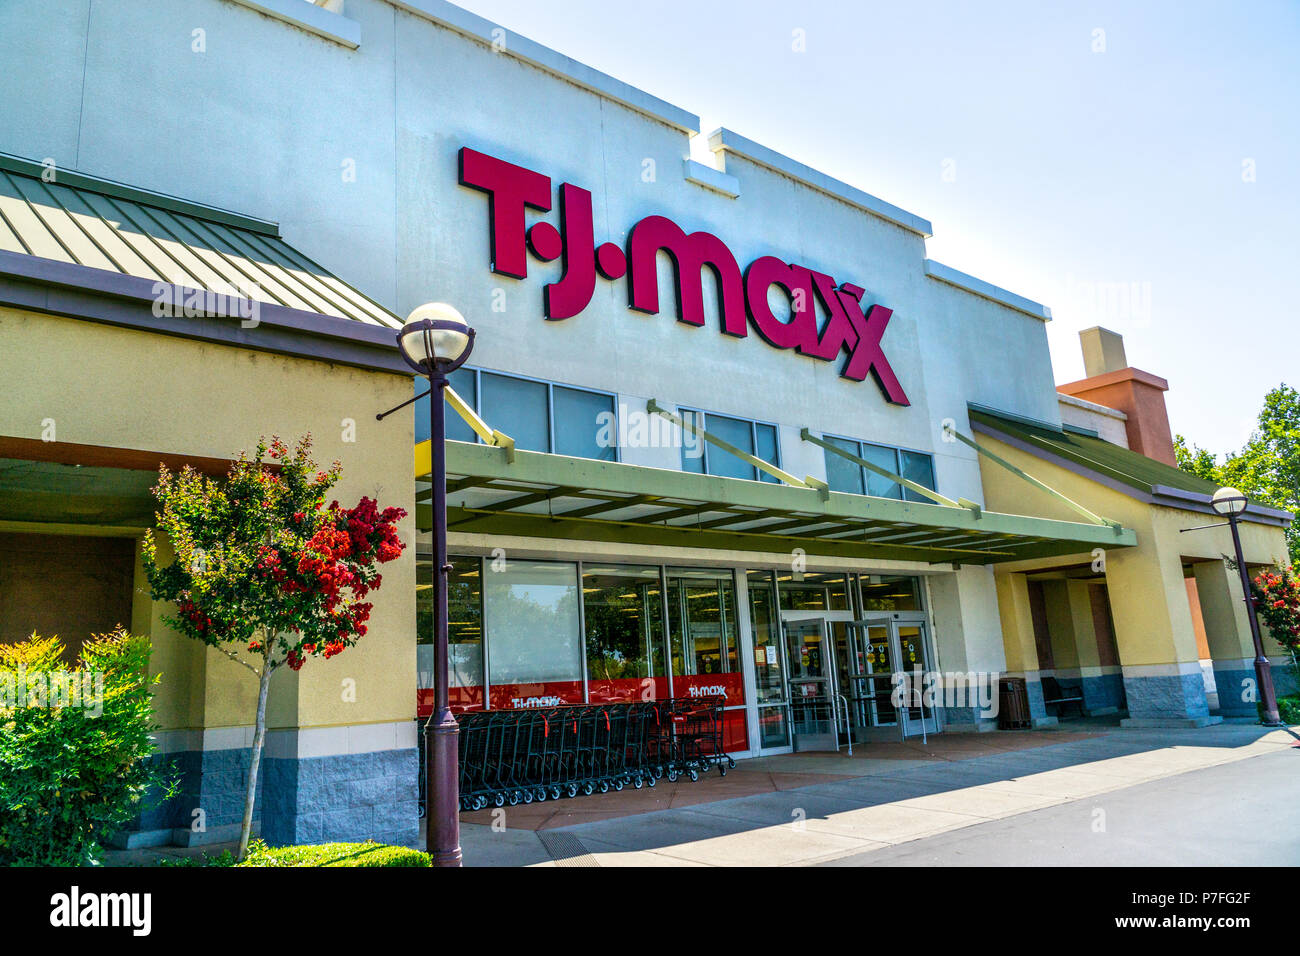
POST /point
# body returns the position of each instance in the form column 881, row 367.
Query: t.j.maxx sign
column 742, row 299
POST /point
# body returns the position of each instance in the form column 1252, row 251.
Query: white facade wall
column 354, row 152
column 1108, row 423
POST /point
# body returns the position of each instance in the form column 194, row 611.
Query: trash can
column 1013, row 704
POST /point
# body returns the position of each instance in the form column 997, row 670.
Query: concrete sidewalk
column 844, row 807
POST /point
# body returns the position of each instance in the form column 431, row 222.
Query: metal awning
column 556, row 496
column 69, row 217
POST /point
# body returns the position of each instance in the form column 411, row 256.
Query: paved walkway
column 769, row 775
column 807, row 809
column 1242, row 813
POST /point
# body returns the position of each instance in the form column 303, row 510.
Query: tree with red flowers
column 1277, row 599
column 264, row 571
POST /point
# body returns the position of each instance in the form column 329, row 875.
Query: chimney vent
column 1103, row 351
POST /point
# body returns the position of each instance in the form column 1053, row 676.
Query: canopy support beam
column 950, row 429
column 910, row 485
column 654, row 408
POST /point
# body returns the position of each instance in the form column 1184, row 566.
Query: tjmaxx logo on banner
column 742, row 298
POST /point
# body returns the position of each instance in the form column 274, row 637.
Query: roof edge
column 75, row 291
column 1128, row 374
column 987, row 290
column 723, row 140
column 1012, row 416
column 1162, row 495
column 543, row 57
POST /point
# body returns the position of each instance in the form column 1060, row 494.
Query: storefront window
column 464, row 382
column 704, row 642
column 918, row 468
column 464, row 630
column 623, row 619
column 886, row 458
column 846, row 476
column 702, row 622
column 694, row 448
column 813, row 591
column 518, row 407
column 584, row 423
column 768, row 672
column 765, row 447
column 889, row 593
column 754, row 438
column 841, row 474
column 534, row 643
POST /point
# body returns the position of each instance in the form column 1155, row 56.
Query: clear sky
column 1129, row 164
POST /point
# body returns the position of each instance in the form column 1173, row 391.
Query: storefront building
column 717, row 436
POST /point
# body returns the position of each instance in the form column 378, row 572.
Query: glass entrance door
column 910, row 651
column 873, row 654
column 872, row 681
column 811, row 665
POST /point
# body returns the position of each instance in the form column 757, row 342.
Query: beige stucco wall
column 1148, row 596
column 121, row 388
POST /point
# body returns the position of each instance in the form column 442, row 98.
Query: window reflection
column 623, row 621
column 702, row 622
column 464, row 628
column 532, row 611
column 813, row 591
column 890, row 593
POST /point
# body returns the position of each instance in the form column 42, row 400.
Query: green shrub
column 73, row 747
column 1288, row 708
column 327, row 854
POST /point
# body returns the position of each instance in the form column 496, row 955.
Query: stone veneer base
column 338, row 798
column 343, row 798
column 1166, row 697
column 1229, row 682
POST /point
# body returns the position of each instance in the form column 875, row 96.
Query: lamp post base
column 442, row 797
column 1264, row 678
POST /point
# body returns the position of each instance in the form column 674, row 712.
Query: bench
column 1056, row 693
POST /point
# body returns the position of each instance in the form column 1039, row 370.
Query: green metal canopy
column 556, row 496
column 69, row 217
column 1121, row 468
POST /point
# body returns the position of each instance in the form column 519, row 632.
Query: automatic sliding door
column 918, row 715
column 810, row 667
column 770, row 689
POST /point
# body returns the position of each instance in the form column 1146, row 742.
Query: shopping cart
column 509, row 757
column 696, row 744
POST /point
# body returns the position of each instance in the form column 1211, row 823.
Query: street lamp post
column 435, row 341
column 1230, row 502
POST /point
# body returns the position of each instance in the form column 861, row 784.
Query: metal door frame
column 830, row 668
column 927, row 724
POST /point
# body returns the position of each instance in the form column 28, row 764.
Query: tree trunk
column 259, row 735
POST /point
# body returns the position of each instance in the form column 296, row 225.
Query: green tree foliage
column 1267, row 468
column 74, row 745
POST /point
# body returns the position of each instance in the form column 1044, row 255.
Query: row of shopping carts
column 508, row 757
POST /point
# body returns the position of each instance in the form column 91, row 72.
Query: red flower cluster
column 1277, row 597
column 369, row 529
column 323, row 565
column 202, row 623
column 337, row 563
